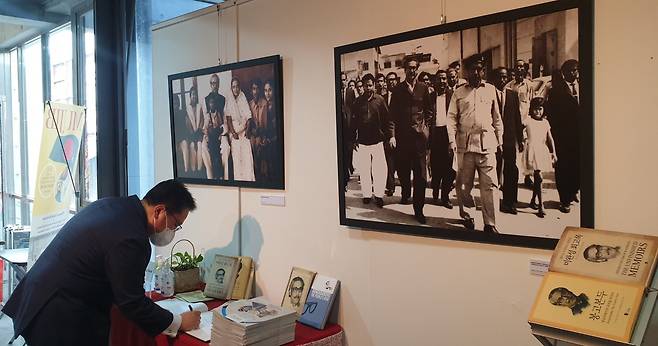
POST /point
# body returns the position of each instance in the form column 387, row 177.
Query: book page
column 205, row 327
column 177, row 307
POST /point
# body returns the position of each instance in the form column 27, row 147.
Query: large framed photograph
column 227, row 124
column 478, row 130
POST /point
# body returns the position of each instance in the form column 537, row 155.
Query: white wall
column 403, row 290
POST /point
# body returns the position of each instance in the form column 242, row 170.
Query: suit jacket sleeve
column 452, row 120
column 497, row 122
column 125, row 265
column 388, row 127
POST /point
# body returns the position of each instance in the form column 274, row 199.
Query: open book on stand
column 596, row 283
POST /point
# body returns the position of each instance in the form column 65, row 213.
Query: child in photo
column 540, row 150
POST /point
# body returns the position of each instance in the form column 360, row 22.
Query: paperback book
column 596, row 283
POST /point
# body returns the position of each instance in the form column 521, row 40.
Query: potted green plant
column 186, row 269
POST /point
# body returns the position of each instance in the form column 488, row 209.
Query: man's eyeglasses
column 178, row 224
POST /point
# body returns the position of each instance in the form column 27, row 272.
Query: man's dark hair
column 296, row 278
column 379, row 75
column 408, row 60
column 498, row 69
column 173, row 194
column 367, row 77
column 258, row 83
column 472, row 60
column 440, row 71
column 454, row 64
column 392, row 73
column 568, row 65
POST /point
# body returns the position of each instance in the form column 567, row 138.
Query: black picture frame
column 263, row 142
column 585, row 29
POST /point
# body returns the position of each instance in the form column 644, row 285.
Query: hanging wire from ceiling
column 443, row 19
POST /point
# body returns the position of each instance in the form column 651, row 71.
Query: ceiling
column 21, row 20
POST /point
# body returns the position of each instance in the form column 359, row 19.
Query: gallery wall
column 399, row 290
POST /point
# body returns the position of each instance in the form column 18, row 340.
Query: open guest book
column 596, row 284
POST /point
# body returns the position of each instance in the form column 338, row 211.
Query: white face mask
column 163, row 238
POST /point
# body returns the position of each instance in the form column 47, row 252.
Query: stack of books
column 596, row 287
column 252, row 322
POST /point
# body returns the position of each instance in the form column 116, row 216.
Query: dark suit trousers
column 510, row 176
column 390, row 163
column 441, row 162
column 410, row 161
column 567, row 169
column 64, row 321
column 348, row 152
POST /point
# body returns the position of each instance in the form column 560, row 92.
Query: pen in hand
column 190, row 306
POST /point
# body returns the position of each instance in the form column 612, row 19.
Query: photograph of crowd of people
column 227, row 125
column 471, row 130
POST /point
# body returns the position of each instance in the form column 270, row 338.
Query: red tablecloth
column 125, row 333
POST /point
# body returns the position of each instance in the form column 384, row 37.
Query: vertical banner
column 53, row 188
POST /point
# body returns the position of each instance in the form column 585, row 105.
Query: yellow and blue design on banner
column 53, row 189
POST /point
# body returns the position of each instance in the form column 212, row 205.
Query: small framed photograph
column 227, row 124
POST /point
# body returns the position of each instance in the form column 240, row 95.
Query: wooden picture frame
column 246, row 151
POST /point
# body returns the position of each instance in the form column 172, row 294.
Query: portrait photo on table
column 227, row 124
column 478, row 130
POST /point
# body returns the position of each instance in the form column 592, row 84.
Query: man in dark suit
column 508, row 103
column 348, row 98
column 443, row 176
column 564, row 112
column 412, row 110
column 98, row 259
column 391, row 82
column 215, row 107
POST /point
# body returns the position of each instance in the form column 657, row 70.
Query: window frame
column 10, row 199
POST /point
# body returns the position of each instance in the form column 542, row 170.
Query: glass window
column 33, row 107
column 15, row 187
column 89, row 68
column 60, row 52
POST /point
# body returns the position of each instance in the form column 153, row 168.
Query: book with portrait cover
column 589, row 306
column 319, row 302
column 299, row 283
column 614, row 256
column 221, row 278
column 240, row 289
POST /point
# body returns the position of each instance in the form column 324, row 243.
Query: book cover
column 614, row 256
column 242, row 280
column 299, row 283
column 319, row 302
column 221, row 278
column 587, row 306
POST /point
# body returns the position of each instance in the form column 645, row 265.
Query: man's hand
column 190, row 320
column 392, row 142
column 453, row 147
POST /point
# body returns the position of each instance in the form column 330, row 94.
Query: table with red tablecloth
column 125, row 333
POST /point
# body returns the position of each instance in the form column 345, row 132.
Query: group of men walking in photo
column 452, row 128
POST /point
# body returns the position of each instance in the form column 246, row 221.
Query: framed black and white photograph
column 478, row 130
column 227, row 124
